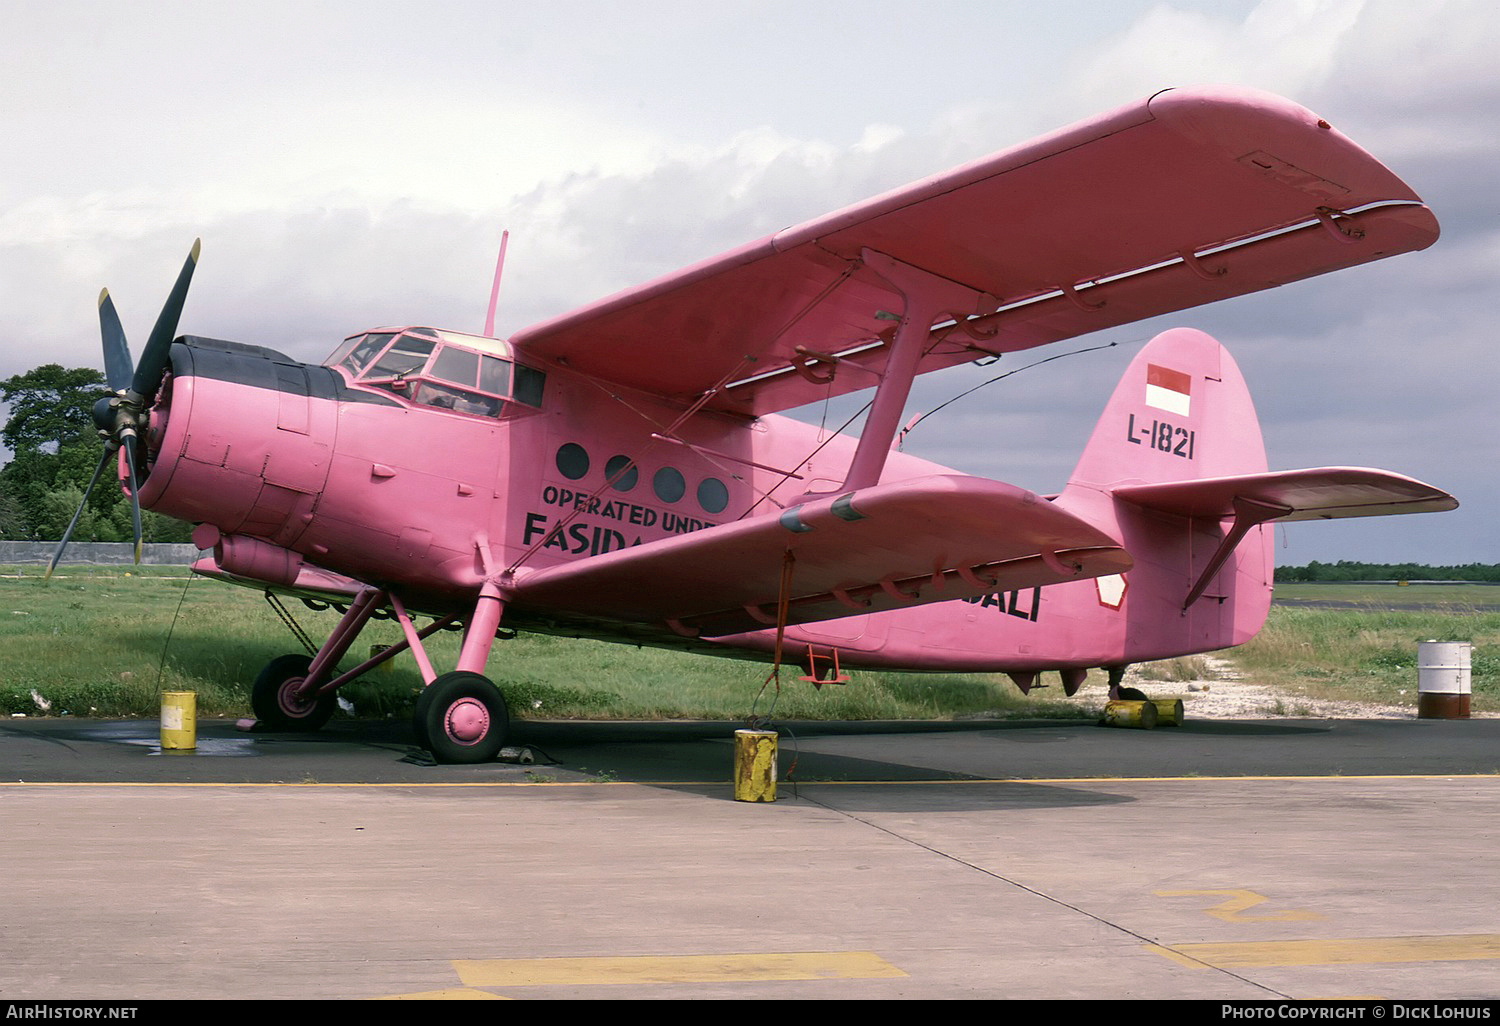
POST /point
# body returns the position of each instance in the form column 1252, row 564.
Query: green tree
column 12, row 520
column 50, row 407
column 56, row 449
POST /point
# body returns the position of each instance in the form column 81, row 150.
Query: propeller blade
column 135, row 502
column 154, row 358
column 109, row 451
column 118, row 366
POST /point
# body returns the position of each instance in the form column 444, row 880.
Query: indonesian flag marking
column 1168, row 389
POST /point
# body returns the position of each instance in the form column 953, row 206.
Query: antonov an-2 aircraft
column 621, row 472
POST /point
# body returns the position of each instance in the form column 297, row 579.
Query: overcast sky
column 352, row 164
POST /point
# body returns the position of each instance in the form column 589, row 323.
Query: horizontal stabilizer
column 885, row 547
column 1320, row 493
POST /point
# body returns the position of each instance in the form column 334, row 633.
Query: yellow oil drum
column 755, row 765
column 1122, row 713
column 179, row 721
column 1168, row 711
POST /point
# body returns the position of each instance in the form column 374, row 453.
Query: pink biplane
column 620, row 472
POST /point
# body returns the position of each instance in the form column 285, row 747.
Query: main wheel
column 461, row 717
column 274, row 700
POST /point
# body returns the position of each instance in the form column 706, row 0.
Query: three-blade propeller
column 122, row 416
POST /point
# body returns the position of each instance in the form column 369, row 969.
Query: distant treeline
column 1344, row 570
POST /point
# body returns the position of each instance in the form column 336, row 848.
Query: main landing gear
column 460, row 716
column 1120, row 693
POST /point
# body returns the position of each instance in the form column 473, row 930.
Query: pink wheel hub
column 467, row 721
column 291, row 704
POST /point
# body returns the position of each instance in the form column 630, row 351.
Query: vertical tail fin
column 1176, row 469
column 1180, row 412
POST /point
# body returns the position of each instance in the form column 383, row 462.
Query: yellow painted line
column 1349, row 951
column 449, row 994
column 1233, row 908
column 796, row 965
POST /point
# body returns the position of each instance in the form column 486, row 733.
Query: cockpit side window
column 459, row 366
column 529, row 385
column 494, row 375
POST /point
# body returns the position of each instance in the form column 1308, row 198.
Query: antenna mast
column 489, row 318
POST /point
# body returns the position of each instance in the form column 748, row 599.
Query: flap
column 885, row 547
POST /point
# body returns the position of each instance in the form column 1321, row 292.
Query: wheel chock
column 1125, row 713
column 1168, row 711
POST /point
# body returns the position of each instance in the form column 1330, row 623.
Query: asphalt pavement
column 1253, row 860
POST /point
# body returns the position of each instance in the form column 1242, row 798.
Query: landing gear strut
column 459, row 716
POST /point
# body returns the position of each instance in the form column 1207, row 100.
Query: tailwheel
column 461, row 718
column 276, row 703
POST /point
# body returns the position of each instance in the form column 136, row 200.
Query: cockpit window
column 456, row 365
column 494, row 375
column 357, row 352
column 529, row 385
column 406, row 357
column 429, row 368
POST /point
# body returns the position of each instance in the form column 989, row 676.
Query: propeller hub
column 122, row 418
column 104, row 415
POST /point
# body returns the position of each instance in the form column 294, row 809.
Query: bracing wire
column 901, row 438
column 161, row 667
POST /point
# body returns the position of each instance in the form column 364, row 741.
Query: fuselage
column 412, row 450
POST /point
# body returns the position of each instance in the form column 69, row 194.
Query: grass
column 1177, row 671
column 93, row 642
column 1458, row 597
column 1367, row 655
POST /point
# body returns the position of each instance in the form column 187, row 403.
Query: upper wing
column 884, row 547
column 1321, row 493
column 1183, row 199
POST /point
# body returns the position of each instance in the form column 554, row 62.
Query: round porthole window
column 713, row 496
column 572, row 461
column 669, row 484
column 621, row 482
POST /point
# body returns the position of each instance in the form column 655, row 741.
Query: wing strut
column 929, row 298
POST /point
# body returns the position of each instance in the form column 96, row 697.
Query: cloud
column 337, row 196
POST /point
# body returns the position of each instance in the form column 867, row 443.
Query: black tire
column 461, row 718
column 1133, row 695
column 274, row 704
